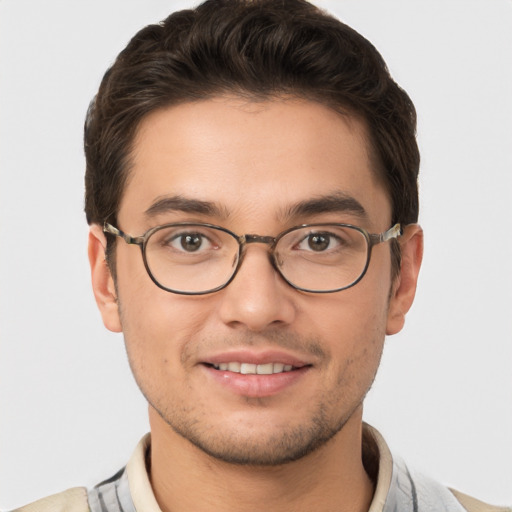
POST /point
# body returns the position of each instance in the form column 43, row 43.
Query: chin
column 259, row 447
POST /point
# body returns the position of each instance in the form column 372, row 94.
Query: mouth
column 255, row 369
column 256, row 375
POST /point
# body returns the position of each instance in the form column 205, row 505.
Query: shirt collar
column 144, row 498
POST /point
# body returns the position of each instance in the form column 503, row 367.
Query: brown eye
column 187, row 242
column 191, row 242
column 318, row 242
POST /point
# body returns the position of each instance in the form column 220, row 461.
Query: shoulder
column 398, row 486
column 72, row 500
column 473, row 505
column 429, row 495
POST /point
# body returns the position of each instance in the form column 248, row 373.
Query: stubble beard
column 282, row 447
column 260, row 449
column 276, row 446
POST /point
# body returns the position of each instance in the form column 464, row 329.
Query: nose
column 258, row 297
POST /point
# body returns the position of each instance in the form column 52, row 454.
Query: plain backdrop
column 70, row 411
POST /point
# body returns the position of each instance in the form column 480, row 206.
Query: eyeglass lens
column 197, row 258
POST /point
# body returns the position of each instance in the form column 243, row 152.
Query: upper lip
column 256, row 357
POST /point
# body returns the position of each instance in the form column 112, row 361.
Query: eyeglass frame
column 372, row 239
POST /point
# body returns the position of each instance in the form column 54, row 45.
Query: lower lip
column 257, row 386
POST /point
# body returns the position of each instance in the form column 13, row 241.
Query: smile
column 254, row 369
column 259, row 375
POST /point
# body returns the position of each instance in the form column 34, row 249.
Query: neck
column 185, row 478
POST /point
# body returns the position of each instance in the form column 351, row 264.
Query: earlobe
column 102, row 281
column 404, row 289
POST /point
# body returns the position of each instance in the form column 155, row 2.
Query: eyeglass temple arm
column 393, row 232
column 108, row 228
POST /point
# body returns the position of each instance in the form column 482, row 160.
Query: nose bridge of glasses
column 244, row 240
column 257, row 239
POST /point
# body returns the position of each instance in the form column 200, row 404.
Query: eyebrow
column 168, row 204
column 338, row 202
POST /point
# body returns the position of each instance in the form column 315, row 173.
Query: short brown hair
column 259, row 49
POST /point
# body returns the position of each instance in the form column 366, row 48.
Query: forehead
column 252, row 159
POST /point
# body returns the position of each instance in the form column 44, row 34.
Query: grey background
column 70, row 411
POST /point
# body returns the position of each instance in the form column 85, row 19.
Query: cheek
column 352, row 323
column 358, row 313
column 157, row 335
column 157, row 325
column 145, row 309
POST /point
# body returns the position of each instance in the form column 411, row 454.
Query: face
column 253, row 164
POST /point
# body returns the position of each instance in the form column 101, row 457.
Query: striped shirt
column 398, row 489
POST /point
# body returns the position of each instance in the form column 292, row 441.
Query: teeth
column 265, row 369
column 234, row 367
column 254, row 369
column 246, row 368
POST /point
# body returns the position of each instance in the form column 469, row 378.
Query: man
column 265, row 163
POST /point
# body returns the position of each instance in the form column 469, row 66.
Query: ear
column 102, row 281
column 404, row 288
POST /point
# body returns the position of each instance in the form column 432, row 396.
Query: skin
column 255, row 161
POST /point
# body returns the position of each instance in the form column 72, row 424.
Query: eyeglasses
column 196, row 259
